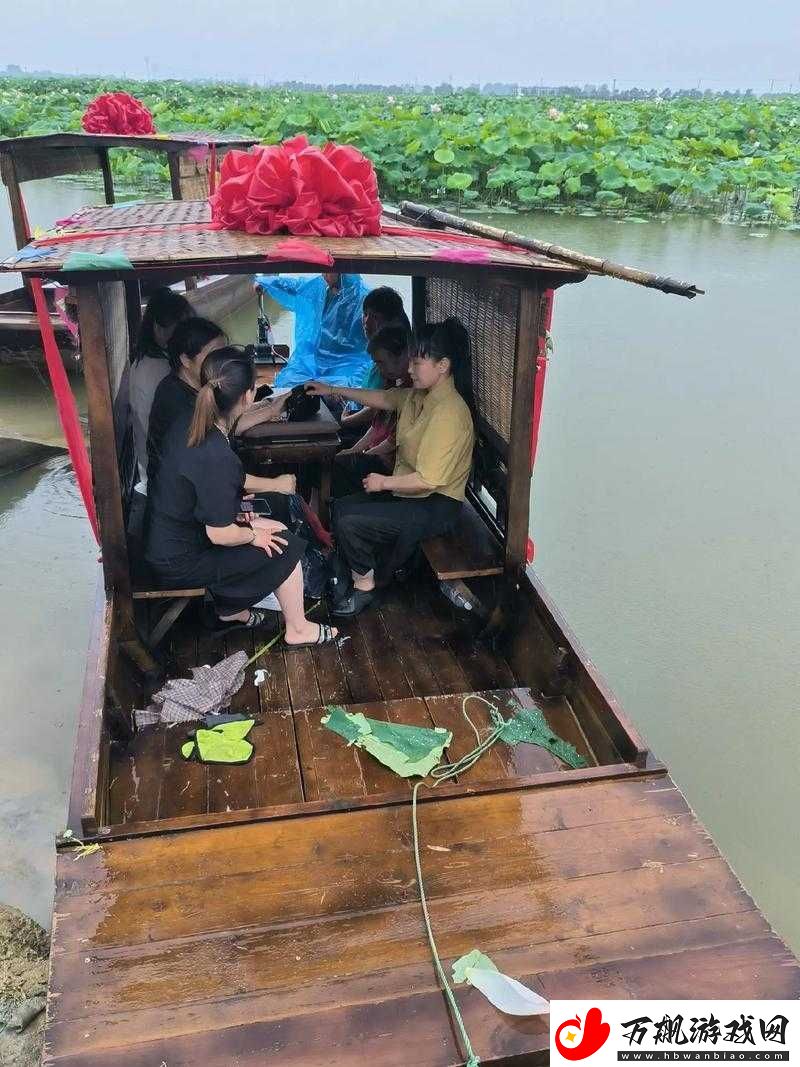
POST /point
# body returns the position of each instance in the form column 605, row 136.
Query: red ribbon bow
column 298, row 188
column 117, row 113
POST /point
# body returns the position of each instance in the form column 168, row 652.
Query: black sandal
column 353, row 604
column 256, row 618
column 324, row 637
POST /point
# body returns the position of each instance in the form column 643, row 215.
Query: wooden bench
column 470, row 551
column 179, row 601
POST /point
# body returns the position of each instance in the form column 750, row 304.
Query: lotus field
column 736, row 159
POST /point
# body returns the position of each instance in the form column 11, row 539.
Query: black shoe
column 353, row 604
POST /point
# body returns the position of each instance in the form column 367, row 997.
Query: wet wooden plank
column 362, row 681
column 302, row 679
column 399, row 619
column 383, row 656
column 331, row 678
column 598, row 951
column 363, row 937
column 135, row 777
column 342, row 883
column 448, row 711
column 470, row 820
column 331, row 768
column 277, row 766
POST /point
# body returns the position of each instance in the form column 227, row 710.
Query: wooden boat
column 269, row 913
column 24, row 159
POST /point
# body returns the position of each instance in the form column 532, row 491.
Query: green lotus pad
column 529, row 725
column 407, row 750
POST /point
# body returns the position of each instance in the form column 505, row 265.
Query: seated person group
column 400, row 479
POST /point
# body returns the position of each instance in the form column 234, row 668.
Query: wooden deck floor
column 299, row 942
column 407, row 660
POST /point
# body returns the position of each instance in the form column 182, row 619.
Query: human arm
column 386, row 447
column 269, row 410
column 383, row 399
column 412, row 483
column 284, row 483
column 283, row 290
column 264, row 534
column 358, row 418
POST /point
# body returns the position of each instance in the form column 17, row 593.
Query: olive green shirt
column 435, row 437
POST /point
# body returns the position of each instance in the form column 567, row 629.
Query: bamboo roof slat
column 176, row 234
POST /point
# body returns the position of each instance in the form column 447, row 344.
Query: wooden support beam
column 133, row 310
column 105, row 469
column 174, row 161
column 108, row 180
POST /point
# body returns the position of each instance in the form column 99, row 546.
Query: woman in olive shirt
column 424, row 494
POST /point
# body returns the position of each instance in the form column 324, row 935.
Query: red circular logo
column 593, row 1035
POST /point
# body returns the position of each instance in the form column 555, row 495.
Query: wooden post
column 108, row 180
column 105, row 470
column 519, row 449
column 174, row 160
column 418, row 295
column 133, row 310
column 18, row 216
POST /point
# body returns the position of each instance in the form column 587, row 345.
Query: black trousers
column 378, row 531
column 349, row 473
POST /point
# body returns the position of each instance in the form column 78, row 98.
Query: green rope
column 441, row 774
column 472, row 1059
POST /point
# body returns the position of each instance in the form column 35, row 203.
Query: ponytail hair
column 450, row 340
column 226, row 375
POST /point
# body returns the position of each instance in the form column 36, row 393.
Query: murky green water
column 665, row 516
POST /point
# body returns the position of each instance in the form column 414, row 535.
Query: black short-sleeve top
column 196, row 487
column 173, row 402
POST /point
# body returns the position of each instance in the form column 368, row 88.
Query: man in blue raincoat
column 329, row 340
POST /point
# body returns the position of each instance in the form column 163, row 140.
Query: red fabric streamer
column 462, row 255
column 298, row 188
column 65, row 404
column 294, row 249
column 118, row 113
column 212, row 170
column 313, row 520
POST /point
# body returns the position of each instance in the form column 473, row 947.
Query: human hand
column 269, row 540
column 286, row 483
column 261, row 522
column 374, row 483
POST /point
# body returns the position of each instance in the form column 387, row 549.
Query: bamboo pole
column 420, row 213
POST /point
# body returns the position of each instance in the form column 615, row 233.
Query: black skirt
column 237, row 577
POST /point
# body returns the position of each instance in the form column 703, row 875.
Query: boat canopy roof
column 20, row 147
column 179, row 238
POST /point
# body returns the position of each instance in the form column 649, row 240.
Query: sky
column 713, row 44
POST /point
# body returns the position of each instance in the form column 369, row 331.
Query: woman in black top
column 197, row 535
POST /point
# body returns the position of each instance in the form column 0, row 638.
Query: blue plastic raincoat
column 329, row 340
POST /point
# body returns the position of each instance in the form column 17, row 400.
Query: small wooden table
column 295, row 444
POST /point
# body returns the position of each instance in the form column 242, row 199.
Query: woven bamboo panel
column 126, row 216
column 172, row 245
column 490, row 314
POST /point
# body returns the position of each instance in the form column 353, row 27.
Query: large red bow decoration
column 299, row 188
column 117, row 113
